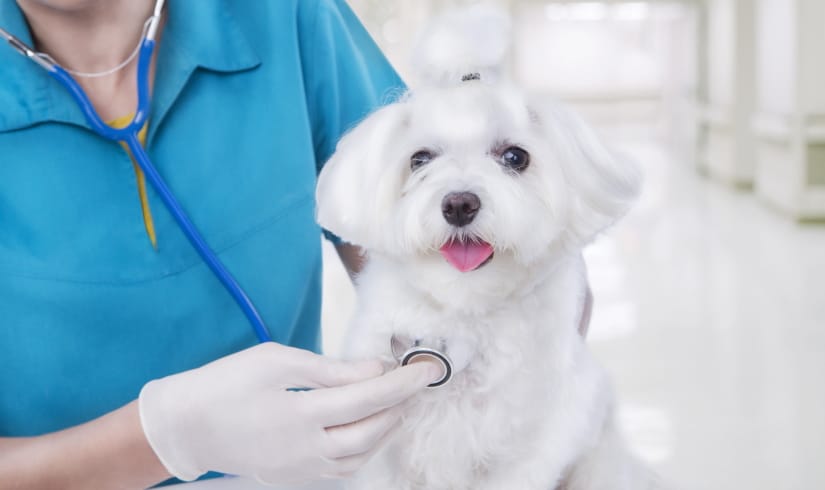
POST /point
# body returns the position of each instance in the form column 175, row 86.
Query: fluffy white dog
column 474, row 203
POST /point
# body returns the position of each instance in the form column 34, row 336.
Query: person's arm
column 352, row 256
column 108, row 452
column 236, row 415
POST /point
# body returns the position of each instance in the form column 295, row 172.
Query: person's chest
column 235, row 154
column 89, row 311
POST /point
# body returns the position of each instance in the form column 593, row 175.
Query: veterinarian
column 123, row 360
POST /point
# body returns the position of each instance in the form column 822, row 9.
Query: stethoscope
column 129, row 136
column 404, row 350
column 453, row 354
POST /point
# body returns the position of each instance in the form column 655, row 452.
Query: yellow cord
column 148, row 222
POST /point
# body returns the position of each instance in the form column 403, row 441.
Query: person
column 123, row 361
column 101, row 294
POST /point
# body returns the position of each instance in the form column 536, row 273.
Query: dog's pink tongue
column 466, row 256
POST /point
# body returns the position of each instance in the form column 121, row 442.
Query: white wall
column 812, row 57
column 727, row 151
column 721, row 55
column 790, row 117
column 776, row 51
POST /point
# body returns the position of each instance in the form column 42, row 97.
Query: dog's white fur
column 533, row 410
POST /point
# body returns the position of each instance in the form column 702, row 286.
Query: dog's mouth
column 467, row 254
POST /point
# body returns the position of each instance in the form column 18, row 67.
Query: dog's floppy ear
column 603, row 184
column 359, row 184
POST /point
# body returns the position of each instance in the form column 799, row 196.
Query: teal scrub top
column 250, row 98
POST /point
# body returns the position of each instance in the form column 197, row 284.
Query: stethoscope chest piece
column 409, row 352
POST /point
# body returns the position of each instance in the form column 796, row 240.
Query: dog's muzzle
column 453, row 357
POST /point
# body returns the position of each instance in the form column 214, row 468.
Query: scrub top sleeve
column 345, row 74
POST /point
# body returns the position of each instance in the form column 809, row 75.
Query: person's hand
column 236, row 416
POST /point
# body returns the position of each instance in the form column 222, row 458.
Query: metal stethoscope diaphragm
column 453, row 357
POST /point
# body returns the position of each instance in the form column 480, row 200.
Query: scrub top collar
column 200, row 34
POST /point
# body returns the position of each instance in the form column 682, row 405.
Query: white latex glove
column 235, row 416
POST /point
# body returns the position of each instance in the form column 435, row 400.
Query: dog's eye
column 515, row 158
column 421, row 158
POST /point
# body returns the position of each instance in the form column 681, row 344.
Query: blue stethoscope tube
column 129, row 136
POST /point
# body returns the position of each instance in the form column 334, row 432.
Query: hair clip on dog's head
column 468, row 44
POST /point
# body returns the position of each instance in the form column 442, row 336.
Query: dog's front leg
column 539, row 458
column 382, row 473
column 537, row 472
column 556, row 441
column 610, row 466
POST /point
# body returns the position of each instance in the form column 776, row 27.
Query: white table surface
column 233, row 483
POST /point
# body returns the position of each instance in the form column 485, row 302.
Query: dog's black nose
column 460, row 208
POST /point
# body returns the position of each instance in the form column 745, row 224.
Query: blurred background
column 710, row 295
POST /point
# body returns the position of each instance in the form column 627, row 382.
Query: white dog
column 474, row 204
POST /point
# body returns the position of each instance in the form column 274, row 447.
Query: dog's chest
column 492, row 413
column 447, row 439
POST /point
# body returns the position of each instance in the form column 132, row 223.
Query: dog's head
column 472, row 180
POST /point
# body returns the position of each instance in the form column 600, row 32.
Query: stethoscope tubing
column 92, row 118
column 129, row 136
column 196, row 239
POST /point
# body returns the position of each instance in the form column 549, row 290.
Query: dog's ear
column 603, row 184
column 360, row 183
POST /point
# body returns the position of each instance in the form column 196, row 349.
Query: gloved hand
column 235, row 415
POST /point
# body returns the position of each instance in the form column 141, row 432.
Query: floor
column 710, row 316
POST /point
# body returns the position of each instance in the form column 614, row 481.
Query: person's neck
column 93, row 37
